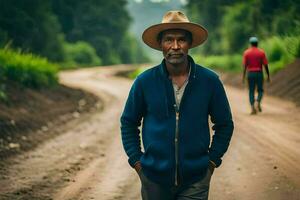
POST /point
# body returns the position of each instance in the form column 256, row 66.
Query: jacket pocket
column 157, row 158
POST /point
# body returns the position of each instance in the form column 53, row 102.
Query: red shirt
column 254, row 58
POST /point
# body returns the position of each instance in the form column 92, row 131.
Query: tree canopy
column 45, row 26
column 231, row 22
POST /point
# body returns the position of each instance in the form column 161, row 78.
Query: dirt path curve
column 87, row 161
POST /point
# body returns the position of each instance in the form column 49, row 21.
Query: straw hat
column 174, row 20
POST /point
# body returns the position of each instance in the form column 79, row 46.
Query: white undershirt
column 178, row 91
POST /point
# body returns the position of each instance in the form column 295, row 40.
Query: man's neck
column 175, row 70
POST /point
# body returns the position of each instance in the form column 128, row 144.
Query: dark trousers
column 154, row 191
column 255, row 80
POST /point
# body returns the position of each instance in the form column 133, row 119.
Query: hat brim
column 199, row 33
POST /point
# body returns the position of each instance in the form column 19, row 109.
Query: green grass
column 80, row 54
column 231, row 63
column 280, row 51
column 27, row 69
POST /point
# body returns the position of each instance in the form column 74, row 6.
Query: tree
column 231, row 22
column 31, row 26
column 101, row 23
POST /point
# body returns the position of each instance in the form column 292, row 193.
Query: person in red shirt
column 254, row 59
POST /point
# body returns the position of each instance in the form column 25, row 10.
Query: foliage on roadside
column 80, row 54
column 27, row 70
column 280, row 51
column 45, row 27
column 230, row 63
column 230, row 23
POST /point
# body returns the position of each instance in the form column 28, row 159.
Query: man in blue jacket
column 173, row 101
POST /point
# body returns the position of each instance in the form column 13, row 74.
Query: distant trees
column 31, row 26
column 45, row 27
column 231, row 22
column 101, row 23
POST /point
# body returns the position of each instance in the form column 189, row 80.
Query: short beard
column 175, row 61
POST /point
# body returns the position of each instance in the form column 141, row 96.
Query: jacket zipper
column 177, row 133
column 177, row 109
column 176, row 144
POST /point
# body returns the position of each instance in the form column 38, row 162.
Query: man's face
column 175, row 46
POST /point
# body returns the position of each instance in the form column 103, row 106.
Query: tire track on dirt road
column 64, row 167
column 111, row 177
column 261, row 163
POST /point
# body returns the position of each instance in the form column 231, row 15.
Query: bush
column 130, row 51
column 231, row 63
column 80, row 54
column 235, row 27
column 27, row 69
column 274, row 48
column 281, row 51
column 293, row 45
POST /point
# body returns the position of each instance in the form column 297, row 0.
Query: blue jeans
column 154, row 191
column 255, row 80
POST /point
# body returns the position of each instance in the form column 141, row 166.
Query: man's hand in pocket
column 138, row 167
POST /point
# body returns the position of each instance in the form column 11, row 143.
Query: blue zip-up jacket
column 151, row 102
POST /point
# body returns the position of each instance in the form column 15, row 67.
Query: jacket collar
column 164, row 72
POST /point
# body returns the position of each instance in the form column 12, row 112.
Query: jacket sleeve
column 130, row 122
column 221, row 118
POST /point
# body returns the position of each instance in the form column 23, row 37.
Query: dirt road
column 87, row 160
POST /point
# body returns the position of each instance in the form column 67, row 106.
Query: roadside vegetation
column 73, row 33
column 56, row 32
column 280, row 52
column 39, row 38
column 231, row 23
column 26, row 70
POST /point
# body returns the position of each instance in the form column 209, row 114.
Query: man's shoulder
column 248, row 50
column 205, row 72
column 149, row 73
column 261, row 50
